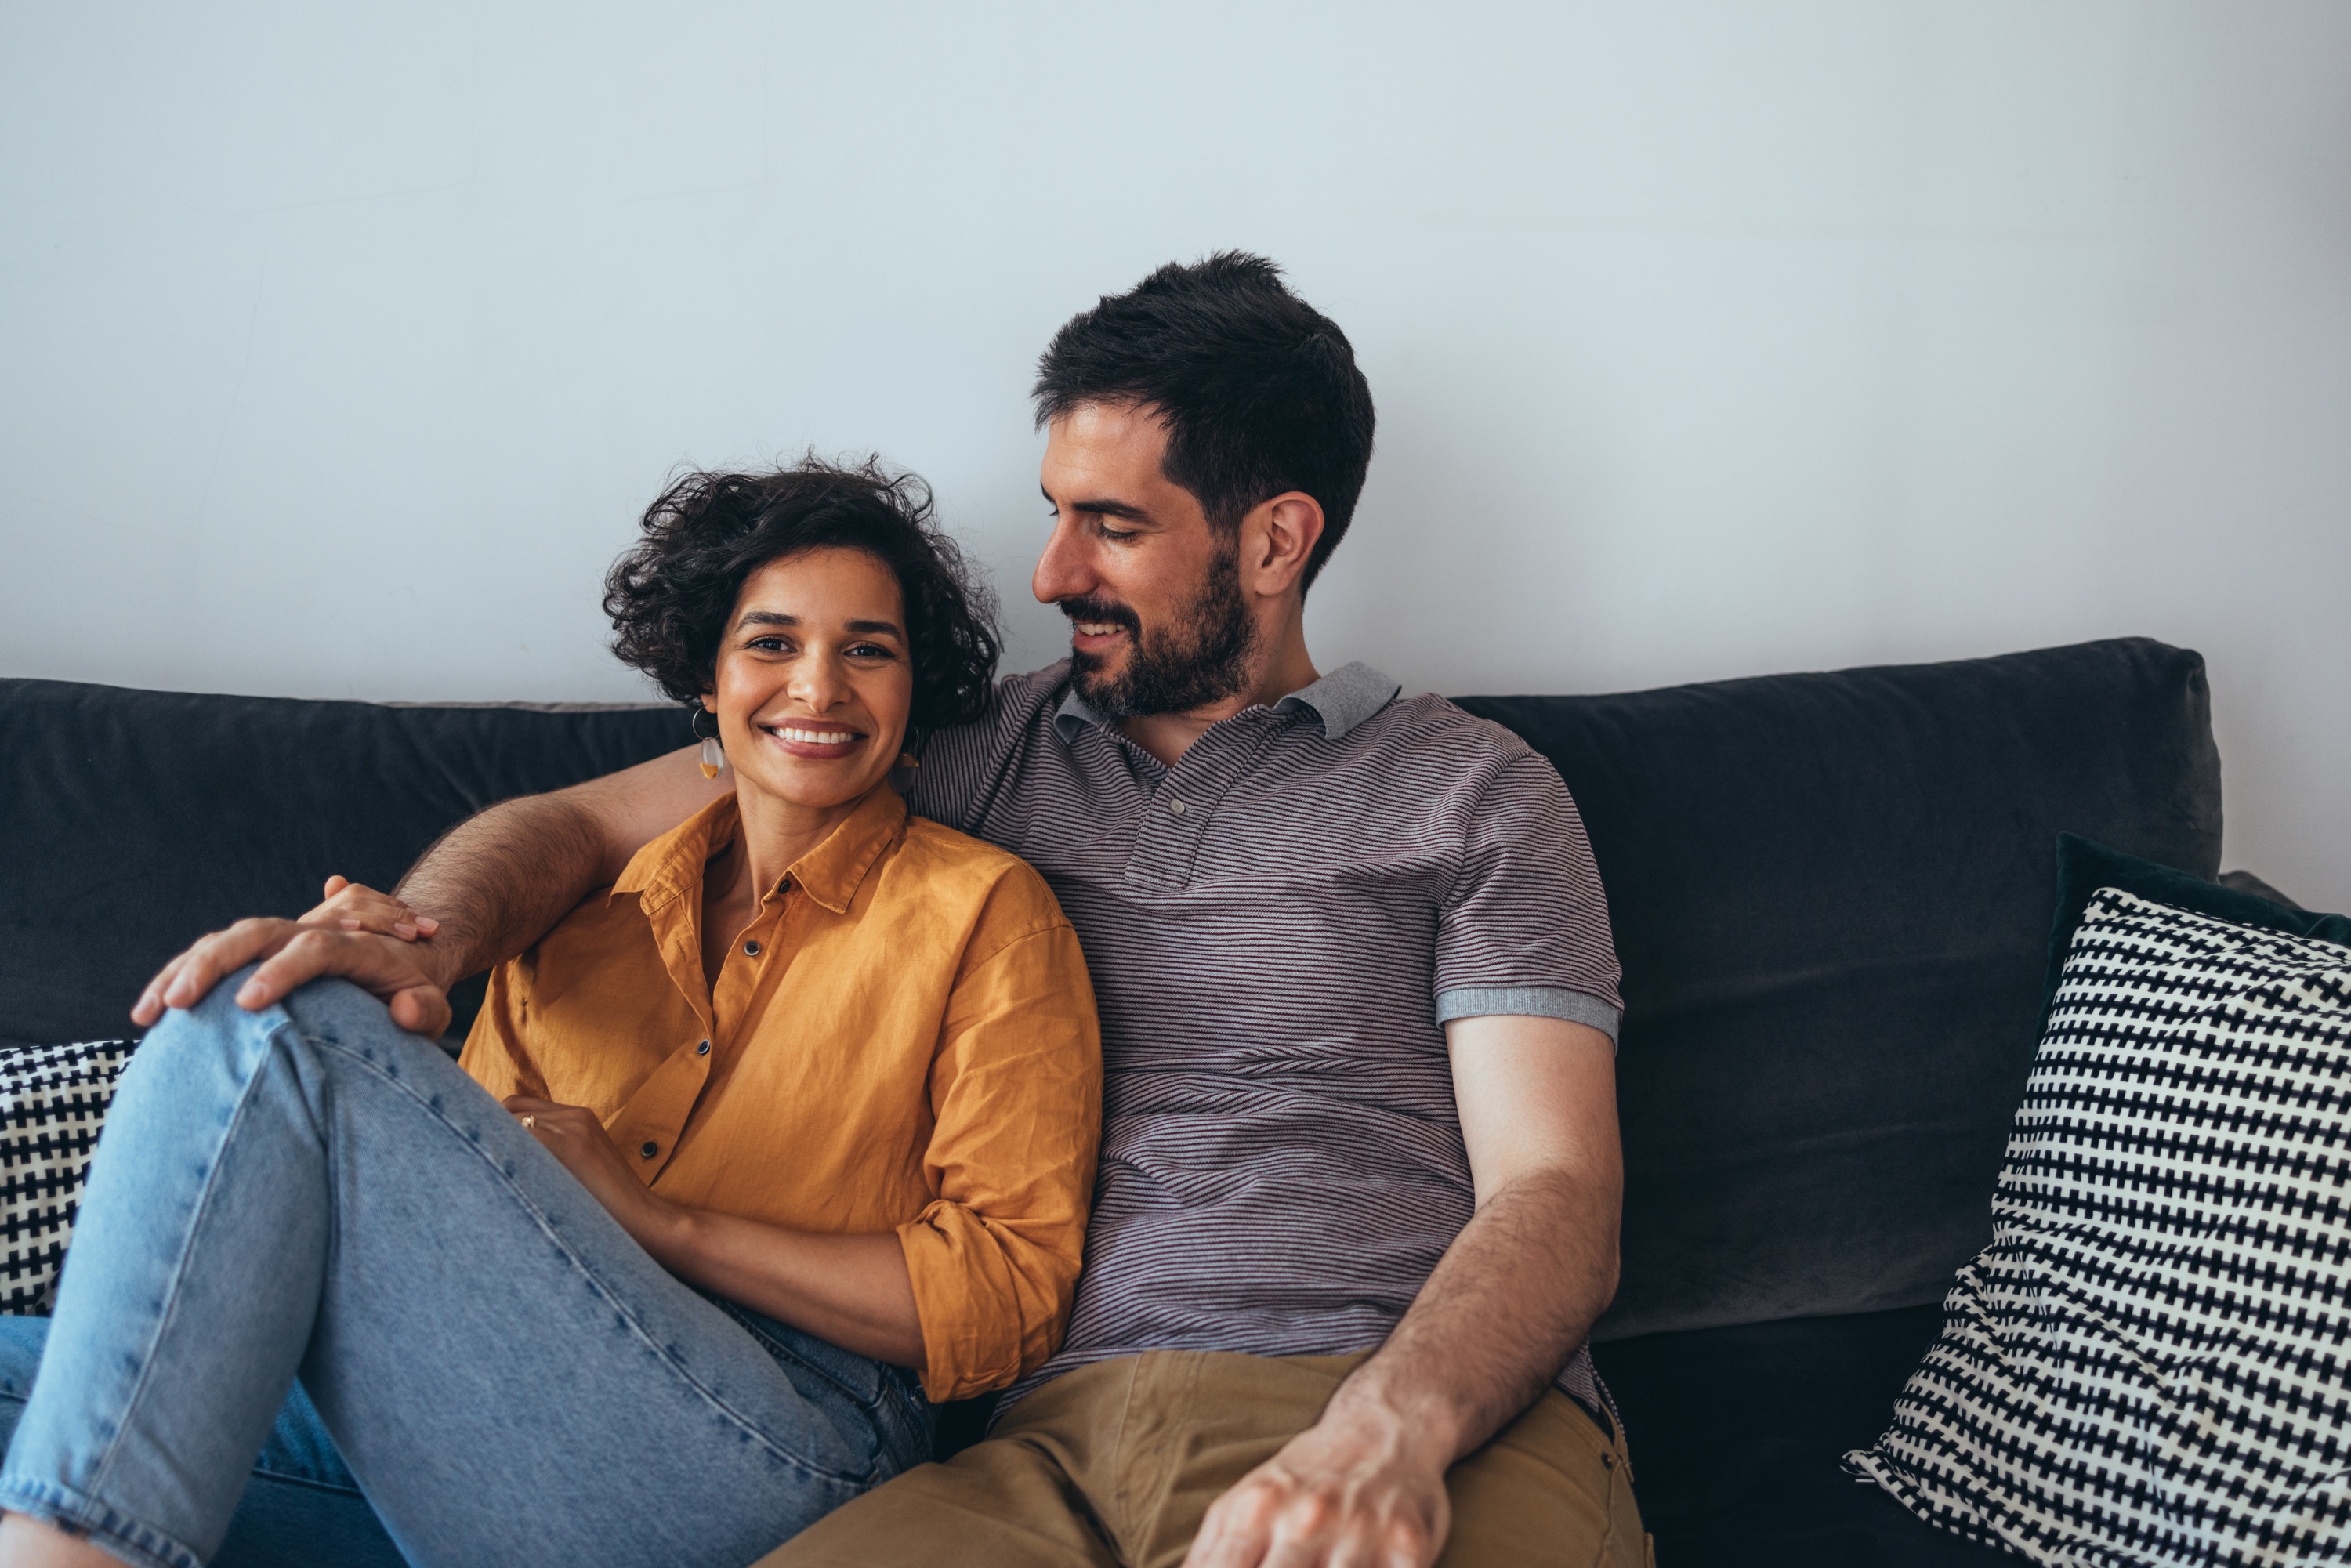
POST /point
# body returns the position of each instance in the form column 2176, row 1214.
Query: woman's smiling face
column 814, row 679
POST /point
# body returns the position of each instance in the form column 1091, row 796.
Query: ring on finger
column 528, row 1121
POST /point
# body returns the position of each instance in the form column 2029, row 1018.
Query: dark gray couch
column 1831, row 894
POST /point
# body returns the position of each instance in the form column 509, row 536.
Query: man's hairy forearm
column 499, row 881
column 1511, row 1301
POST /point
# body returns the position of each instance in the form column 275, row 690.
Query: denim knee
column 215, row 1019
column 330, row 1010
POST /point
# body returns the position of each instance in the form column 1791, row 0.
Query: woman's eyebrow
column 777, row 618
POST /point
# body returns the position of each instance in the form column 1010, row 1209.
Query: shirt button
column 1176, row 807
column 751, row 949
column 702, row 1050
column 648, row 1148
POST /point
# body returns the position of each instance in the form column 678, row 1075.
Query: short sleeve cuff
column 1530, row 1001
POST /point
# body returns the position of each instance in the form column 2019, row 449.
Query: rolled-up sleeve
column 1016, row 1097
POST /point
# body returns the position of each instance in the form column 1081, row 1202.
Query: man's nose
column 1062, row 571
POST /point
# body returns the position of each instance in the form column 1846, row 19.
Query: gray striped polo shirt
column 1279, row 927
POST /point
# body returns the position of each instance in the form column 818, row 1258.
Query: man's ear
column 1278, row 538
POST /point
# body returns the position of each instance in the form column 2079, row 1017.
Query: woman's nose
column 820, row 682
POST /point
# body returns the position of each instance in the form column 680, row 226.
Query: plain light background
column 340, row 347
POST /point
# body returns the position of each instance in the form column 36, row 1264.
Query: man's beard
column 1202, row 659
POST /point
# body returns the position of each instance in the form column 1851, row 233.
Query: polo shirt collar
column 1076, row 713
column 1342, row 699
column 1339, row 702
column 670, row 866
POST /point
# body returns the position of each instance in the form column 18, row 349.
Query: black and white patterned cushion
column 53, row 1100
column 2148, row 1363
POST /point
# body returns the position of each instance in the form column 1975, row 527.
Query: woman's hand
column 352, row 906
column 854, row 1290
column 573, row 1136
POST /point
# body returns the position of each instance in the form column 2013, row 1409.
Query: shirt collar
column 1076, row 713
column 1340, row 701
column 670, row 866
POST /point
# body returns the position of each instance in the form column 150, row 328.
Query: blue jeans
column 311, row 1192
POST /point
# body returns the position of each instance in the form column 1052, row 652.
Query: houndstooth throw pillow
column 53, row 1100
column 2148, row 1363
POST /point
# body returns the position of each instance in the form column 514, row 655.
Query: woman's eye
column 767, row 645
column 872, row 650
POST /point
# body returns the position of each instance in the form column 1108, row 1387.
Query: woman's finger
column 553, row 1113
column 354, row 906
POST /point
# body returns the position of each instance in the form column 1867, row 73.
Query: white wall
column 339, row 346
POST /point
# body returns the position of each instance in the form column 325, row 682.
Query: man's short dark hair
column 670, row 596
column 1259, row 389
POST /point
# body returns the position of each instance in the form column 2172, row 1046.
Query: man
column 1360, row 1177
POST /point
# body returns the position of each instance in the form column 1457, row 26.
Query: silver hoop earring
column 714, row 755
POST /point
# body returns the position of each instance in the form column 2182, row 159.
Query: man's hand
column 1360, row 1488
column 500, row 880
column 349, row 909
column 292, row 952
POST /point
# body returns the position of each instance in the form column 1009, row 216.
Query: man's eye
column 1118, row 536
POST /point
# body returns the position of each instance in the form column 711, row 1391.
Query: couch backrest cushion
column 1831, row 896
column 132, row 821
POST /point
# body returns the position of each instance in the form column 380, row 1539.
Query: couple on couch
column 782, row 1115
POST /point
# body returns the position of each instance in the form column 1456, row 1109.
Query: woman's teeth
column 815, row 737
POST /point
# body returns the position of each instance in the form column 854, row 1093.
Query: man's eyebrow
column 777, row 618
column 1101, row 509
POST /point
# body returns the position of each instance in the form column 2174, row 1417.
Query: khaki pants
column 1115, row 1464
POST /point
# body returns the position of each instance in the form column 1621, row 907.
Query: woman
column 807, row 1099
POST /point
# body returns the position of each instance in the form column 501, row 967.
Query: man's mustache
column 1101, row 611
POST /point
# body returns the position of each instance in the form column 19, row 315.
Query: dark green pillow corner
column 2085, row 865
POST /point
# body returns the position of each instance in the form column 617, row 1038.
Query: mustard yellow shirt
column 903, row 1040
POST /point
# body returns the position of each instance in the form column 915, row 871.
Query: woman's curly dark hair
column 670, row 596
